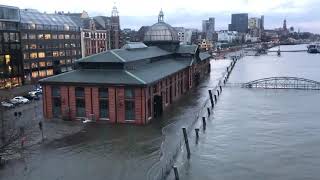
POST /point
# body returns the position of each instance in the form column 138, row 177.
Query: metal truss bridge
column 280, row 83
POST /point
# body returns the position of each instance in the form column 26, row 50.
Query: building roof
column 126, row 55
column 143, row 75
column 186, row 49
column 94, row 76
column 155, row 71
column 35, row 17
column 204, row 55
column 161, row 31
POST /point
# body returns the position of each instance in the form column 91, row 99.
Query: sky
column 301, row 14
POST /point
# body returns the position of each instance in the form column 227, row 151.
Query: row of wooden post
column 213, row 101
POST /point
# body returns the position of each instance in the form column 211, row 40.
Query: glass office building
column 50, row 44
column 11, row 72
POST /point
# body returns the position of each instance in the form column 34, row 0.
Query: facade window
column 35, row 74
column 62, row 61
column 33, row 55
column 56, row 101
column 67, row 36
column 42, row 64
column 129, row 104
column 103, row 103
column 34, row 65
column 55, row 53
column 26, row 56
column 61, row 36
column 24, row 36
column 42, row 73
column 48, row 53
column 40, row 46
column 49, row 63
column 26, row 66
column 32, row 46
column 41, row 55
column 80, row 102
column 47, row 36
column 49, row 72
column 40, row 36
column 32, row 36
column 39, row 27
column 54, row 36
column 69, row 61
column 62, row 53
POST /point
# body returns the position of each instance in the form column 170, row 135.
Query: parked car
column 31, row 97
column 14, row 102
column 7, row 104
column 38, row 90
column 33, row 93
column 20, row 99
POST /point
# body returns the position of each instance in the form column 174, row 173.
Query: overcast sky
column 302, row 14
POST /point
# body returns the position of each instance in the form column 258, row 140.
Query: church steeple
column 160, row 17
column 284, row 24
column 115, row 11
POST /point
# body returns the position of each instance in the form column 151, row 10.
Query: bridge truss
column 283, row 83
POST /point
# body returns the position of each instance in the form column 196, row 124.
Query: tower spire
column 160, row 17
column 115, row 11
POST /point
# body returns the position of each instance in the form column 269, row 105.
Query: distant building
column 208, row 28
column 141, row 32
column 115, row 29
column 50, row 44
column 128, row 85
column 239, row 23
column 11, row 64
column 195, row 37
column 184, row 35
column 225, row 36
column 94, row 33
column 205, row 45
column 129, row 35
column 254, row 23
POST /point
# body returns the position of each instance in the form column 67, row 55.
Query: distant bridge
column 305, row 50
column 280, row 83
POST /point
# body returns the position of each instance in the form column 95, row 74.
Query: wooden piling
column 184, row 130
column 176, row 173
column 204, row 123
column 197, row 132
column 211, row 99
column 208, row 109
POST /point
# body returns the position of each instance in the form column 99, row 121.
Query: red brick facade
column 169, row 88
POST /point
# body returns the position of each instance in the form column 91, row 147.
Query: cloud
column 136, row 13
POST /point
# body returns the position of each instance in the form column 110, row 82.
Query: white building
column 227, row 36
column 184, row 35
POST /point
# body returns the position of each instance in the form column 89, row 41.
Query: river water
column 113, row 152
column 255, row 134
column 261, row 133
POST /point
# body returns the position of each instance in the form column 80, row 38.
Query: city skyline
column 142, row 12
